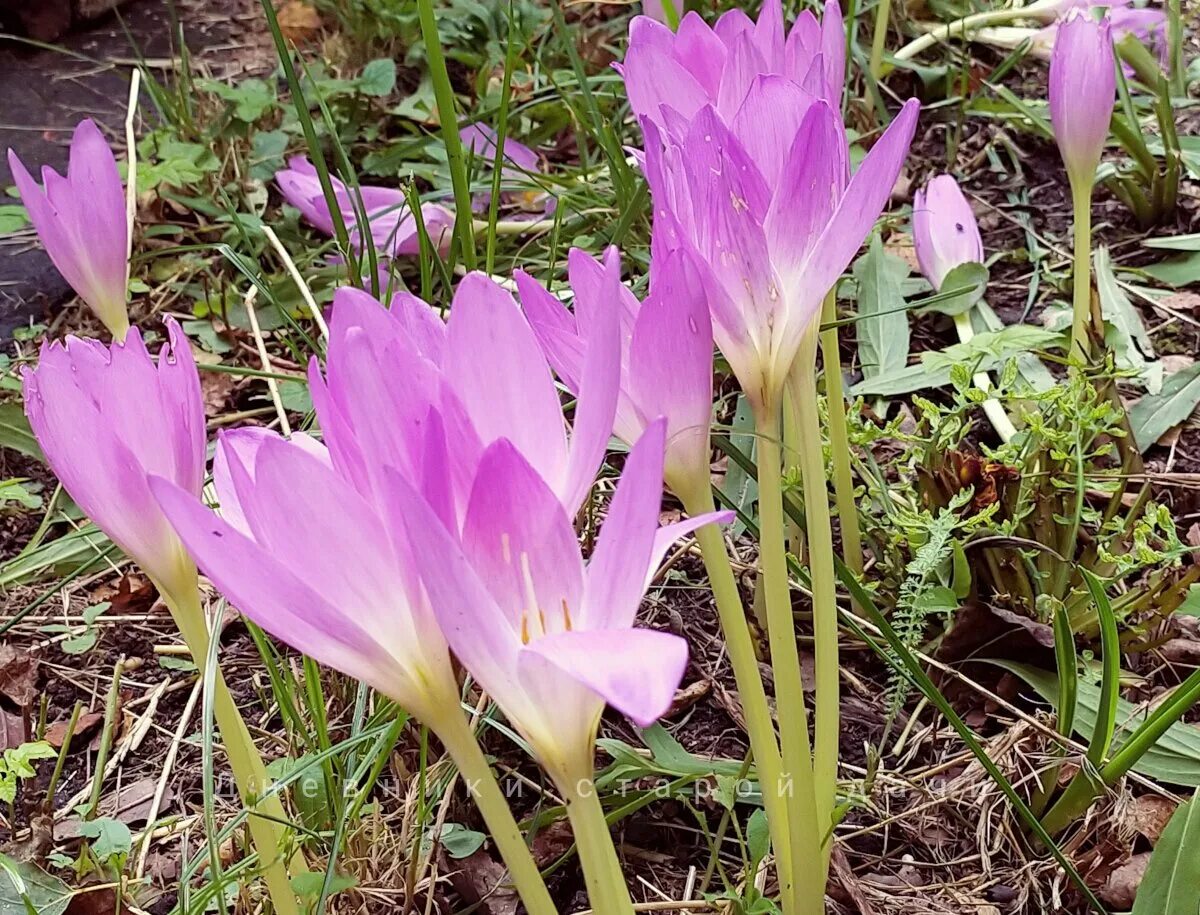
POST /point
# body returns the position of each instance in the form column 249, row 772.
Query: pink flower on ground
column 945, row 232
column 108, row 418
column 393, row 229
column 82, row 222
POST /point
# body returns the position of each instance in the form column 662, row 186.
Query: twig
column 265, row 357
column 305, row 292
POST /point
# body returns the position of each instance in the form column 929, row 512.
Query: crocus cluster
column 748, row 164
column 82, row 222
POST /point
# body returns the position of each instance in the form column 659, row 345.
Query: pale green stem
column 879, row 39
column 803, row 381
column 740, row 648
column 806, row 831
column 791, row 447
column 992, row 408
column 607, row 892
column 1081, row 299
column 839, row 439
column 967, row 24
column 460, row 742
column 267, row 815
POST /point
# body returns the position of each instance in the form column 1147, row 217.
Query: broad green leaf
column 983, row 353
column 1178, row 271
column 1172, row 877
column 15, row 432
column 1175, row 242
column 1174, row 759
column 1128, row 337
column 882, row 324
column 26, row 888
column 1154, row 414
column 972, row 279
column 378, row 77
column 758, row 836
column 12, row 218
column 110, row 838
column 310, row 885
column 461, row 842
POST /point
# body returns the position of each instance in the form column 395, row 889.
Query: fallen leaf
column 551, row 843
column 216, row 388
column 688, row 696
column 1181, row 301
column 12, row 730
column 56, row 733
column 18, row 676
column 131, row 806
column 1181, row 651
column 481, row 881
column 298, row 21
column 100, row 900
column 1148, row 814
column 1120, row 889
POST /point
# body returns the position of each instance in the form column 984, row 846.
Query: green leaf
column 1175, row 242
column 984, row 352
column 1173, row 874
column 110, row 838
column 79, row 644
column 378, row 77
column 13, row 218
column 15, row 432
column 26, row 888
column 461, row 842
column 1154, row 414
column 1178, row 271
column 972, row 279
column 1174, row 759
column 758, row 837
column 1128, row 337
column 882, row 324
column 311, row 884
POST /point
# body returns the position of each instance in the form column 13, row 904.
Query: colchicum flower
column 666, row 352
column 945, row 232
column 82, row 222
column 108, row 419
column 1083, row 87
column 392, row 227
column 484, row 374
column 551, row 639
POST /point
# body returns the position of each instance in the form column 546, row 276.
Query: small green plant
column 16, row 766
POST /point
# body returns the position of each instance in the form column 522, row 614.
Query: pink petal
column 768, row 120
column 636, row 671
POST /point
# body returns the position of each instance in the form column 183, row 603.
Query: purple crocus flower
column 945, row 232
column 550, row 638
column 1083, row 87
column 108, row 418
column 701, row 65
column 666, row 352
column 519, row 162
column 82, row 222
column 766, row 208
column 484, row 374
column 393, row 229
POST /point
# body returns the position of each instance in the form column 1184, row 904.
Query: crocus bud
column 945, row 232
column 1083, row 87
column 81, row 221
column 108, row 418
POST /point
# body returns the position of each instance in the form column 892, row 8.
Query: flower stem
column 1081, row 297
column 460, row 742
column 607, row 892
column 740, row 647
column 879, row 38
column 266, row 814
column 992, row 408
column 839, row 440
column 805, row 830
column 803, row 381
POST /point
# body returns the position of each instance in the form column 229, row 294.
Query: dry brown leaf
column 18, row 675
column 1121, row 887
column 1148, row 814
column 56, row 733
column 217, row 387
column 298, row 21
column 1181, row 301
column 12, row 730
column 551, row 843
column 481, row 881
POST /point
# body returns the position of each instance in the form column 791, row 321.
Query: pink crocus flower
column 1083, row 87
column 666, row 352
column 325, row 573
column 520, row 161
column 393, row 229
column 945, row 232
column 748, row 164
column 767, row 210
column 700, row 66
column 484, row 374
column 550, row 638
column 108, row 418
column 82, row 222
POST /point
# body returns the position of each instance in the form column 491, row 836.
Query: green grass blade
column 1110, row 646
